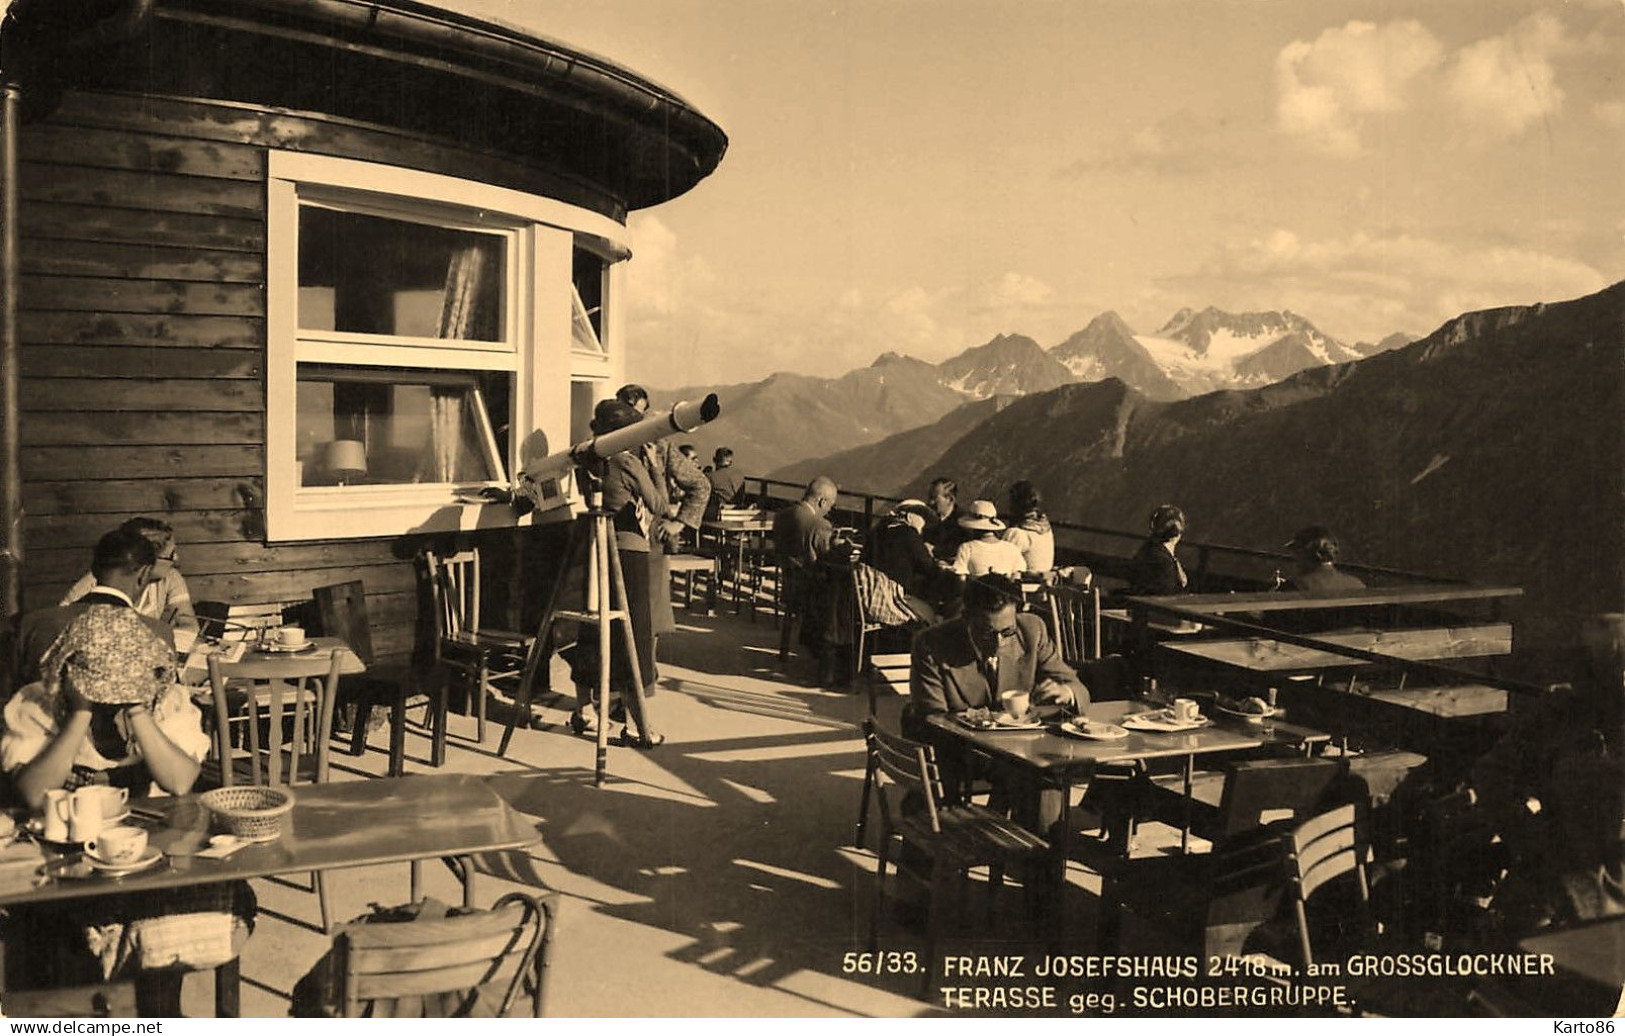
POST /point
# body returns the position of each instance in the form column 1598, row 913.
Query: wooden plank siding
column 142, row 229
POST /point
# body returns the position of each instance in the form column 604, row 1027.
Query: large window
column 418, row 350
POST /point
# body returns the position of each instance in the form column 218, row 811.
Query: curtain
column 445, row 424
column 466, row 275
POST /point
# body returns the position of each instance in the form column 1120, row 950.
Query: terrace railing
column 1218, row 566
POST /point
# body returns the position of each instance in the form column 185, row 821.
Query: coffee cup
column 109, row 800
column 1016, row 703
column 290, row 637
column 1185, row 710
column 122, row 844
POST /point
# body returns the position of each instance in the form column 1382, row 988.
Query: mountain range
column 1491, row 450
column 774, row 424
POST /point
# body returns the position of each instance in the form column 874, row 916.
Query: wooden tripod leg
column 598, row 567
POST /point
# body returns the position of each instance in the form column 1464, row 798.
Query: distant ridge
column 787, row 418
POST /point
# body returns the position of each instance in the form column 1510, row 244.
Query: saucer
column 1163, row 723
column 147, row 859
column 278, row 649
column 1093, row 731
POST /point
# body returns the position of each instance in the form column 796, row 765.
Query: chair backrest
column 1108, row 678
column 454, row 581
column 452, row 955
column 1326, row 846
column 737, row 514
column 1262, row 791
column 910, row 765
column 1075, row 620
column 308, row 685
column 342, row 610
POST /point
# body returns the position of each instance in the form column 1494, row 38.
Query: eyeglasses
column 1003, row 633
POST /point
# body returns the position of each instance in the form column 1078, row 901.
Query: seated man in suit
column 802, row 537
column 969, row 662
column 1317, row 571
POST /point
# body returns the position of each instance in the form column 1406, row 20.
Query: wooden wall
column 142, row 320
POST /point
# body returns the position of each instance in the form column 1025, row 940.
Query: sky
column 920, row 175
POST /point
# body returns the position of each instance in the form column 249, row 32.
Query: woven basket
column 250, row 811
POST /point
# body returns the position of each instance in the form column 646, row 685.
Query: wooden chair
column 1319, row 850
column 458, row 958
column 478, row 656
column 1074, row 620
column 309, row 686
column 892, row 672
column 1219, row 898
column 954, row 837
column 690, row 565
column 342, row 611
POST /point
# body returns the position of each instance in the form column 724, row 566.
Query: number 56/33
column 892, row 962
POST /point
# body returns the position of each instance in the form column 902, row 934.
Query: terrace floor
column 712, row 877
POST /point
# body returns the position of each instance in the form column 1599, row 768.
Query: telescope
column 540, row 476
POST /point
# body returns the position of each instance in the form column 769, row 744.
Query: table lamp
column 346, row 458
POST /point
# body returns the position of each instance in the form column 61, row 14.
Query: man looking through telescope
column 629, row 494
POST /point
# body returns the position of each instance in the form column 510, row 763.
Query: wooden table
column 331, row 827
column 1058, row 760
column 268, row 665
column 735, row 530
column 1262, row 655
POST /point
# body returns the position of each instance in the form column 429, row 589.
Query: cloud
column 1369, row 286
column 1177, row 144
column 1504, row 84
column 1333, row 91
column 1327, row 89
column 1610, row 113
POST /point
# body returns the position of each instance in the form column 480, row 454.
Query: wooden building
column 298, row 275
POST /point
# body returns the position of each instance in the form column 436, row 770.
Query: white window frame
column 539, row 300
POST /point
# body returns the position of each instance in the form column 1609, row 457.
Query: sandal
column 640, row 742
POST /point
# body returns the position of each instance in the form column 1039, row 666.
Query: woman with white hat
column 984, row 551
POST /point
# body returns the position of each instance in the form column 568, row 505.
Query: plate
column 1163, row 723
column 1251, row 717
column 278, row 649
column 151, row 857
column 117, row 818
column 999, row 724
column 1093, row 732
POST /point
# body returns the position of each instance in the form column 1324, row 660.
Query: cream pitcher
column 84, row 814
column 57, row 804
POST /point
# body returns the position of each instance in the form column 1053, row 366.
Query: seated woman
column 1029, row 529
column 107, row 710
column 1155, row 569
column 983, row 552
column 166, row 597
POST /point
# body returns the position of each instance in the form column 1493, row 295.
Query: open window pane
column 386, row 426
column 369, row 274
column 587, row 309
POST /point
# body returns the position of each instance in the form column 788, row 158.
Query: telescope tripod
column 592, row 543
